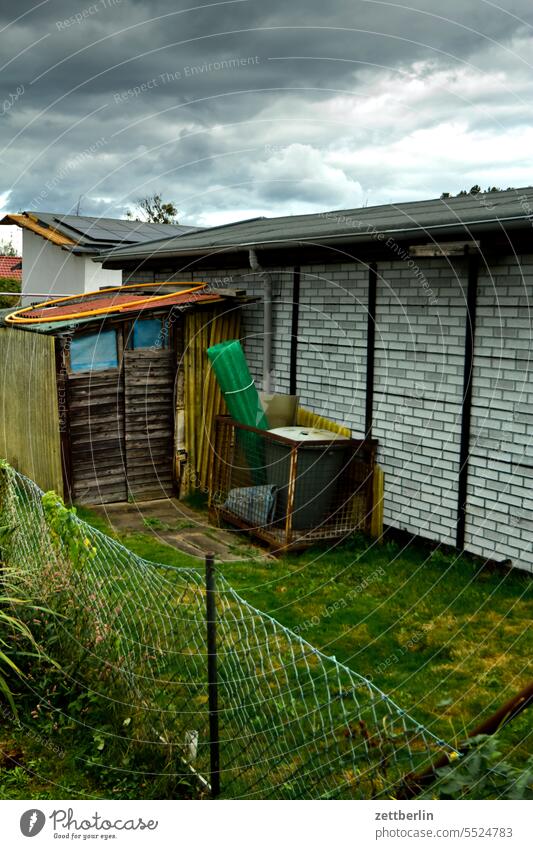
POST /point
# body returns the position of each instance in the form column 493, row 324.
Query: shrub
column 482, row 774
column 9, row 284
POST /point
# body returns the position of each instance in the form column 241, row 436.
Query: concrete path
column 188, row 530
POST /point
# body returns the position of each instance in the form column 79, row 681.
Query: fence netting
column 294, row 723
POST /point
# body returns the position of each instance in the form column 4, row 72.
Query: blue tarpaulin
column 149, row 333
column 94, row 351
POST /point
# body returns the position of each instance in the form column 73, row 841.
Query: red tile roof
column 138, row 303
column 7, row 269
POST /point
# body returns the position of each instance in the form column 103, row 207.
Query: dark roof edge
column 481, row 225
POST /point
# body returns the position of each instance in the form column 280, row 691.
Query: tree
column 7, row 249
column 154, row 210
column 475, row 190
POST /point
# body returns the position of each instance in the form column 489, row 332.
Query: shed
column 95, row 390
column 409, row 323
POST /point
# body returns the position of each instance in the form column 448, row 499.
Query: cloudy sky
column 261, row 107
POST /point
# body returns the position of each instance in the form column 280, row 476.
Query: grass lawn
column 448, row 640
column 30, row 772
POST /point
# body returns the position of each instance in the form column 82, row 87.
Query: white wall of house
column 96, row 277
column 418, row 385
column 47, row 269
column 500, row 483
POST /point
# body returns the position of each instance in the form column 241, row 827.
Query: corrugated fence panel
column 29, row 422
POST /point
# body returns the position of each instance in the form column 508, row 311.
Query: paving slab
column 182, row 527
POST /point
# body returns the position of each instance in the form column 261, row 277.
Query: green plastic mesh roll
column 237, row 384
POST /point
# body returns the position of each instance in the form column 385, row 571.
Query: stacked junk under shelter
column 143, row 392
column 284, row 473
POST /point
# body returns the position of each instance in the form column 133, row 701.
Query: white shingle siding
column 332, row 330
column 500, row 481
column 418, row 384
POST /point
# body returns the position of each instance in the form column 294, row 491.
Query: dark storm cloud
column 122, row 97
column 119, row 42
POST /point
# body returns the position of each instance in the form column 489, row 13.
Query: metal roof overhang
column 451, row 230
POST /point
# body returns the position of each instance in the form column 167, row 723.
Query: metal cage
column 291, row 494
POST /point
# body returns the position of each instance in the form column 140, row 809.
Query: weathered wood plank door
column 149, row 377
column 96, row 407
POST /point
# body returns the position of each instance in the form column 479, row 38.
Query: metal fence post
column 212, row 679
column 291, row 493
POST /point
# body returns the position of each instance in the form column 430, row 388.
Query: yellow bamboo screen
column 203, row 400
column 29, row 415
column 307, row 418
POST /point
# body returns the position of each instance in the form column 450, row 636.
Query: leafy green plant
column 10, row 627
column 156, row 524
column 9, row 284
column 14, row 632
column 66, row 531
column 483, row 774
column 14, row 783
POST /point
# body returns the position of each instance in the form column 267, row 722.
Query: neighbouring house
column 11, row 266
column 58, row 250
column 100, row 395
column 409, row 323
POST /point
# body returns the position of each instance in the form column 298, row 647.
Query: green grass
column 449, row 640
column 30, row 772
column 143, row 544
column 59, row 761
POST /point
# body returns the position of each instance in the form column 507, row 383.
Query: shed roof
column 83, row 234
column 444, row 217
column 124, row 301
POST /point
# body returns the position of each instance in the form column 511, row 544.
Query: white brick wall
column 500, row 497
column 332, row 342
column 417, row 393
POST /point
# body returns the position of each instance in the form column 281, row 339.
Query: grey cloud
column 155, row 132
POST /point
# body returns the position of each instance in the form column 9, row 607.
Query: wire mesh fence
column 291, row 492
column 293, row 723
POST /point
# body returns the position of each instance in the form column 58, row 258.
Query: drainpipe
column 267, row 318
column 466, row 409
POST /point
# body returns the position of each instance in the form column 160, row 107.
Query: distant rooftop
column 442, row 217
column 10, row 266
column 83, row 234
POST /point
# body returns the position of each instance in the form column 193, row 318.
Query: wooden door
column 149, row 422
column 96, row 412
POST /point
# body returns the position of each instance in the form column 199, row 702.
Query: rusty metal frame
column 414, row 784
column 353, row 513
